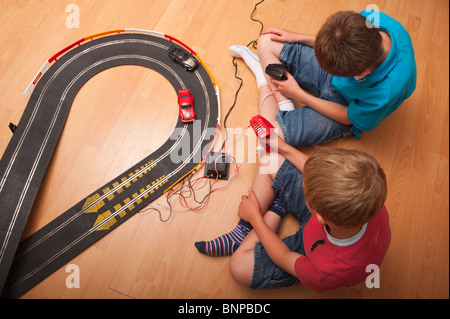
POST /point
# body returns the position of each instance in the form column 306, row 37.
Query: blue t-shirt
column 382, row 91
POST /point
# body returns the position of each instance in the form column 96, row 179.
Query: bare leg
column 243, row 260
column 262, row 183
column 268, row 53
column 269, row 107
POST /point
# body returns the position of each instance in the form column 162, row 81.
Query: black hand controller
column 276, row 71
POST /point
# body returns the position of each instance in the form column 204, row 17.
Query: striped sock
column 225, row 245
column 277, row 207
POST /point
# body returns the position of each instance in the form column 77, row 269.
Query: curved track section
column 27, row 156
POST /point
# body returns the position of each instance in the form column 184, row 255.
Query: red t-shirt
column 328, row 265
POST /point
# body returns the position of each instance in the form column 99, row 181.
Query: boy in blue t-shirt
column 357, row 70
column 379, row 93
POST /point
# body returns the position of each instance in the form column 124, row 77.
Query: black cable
column 254, row 44
column 193, row 192
column 159, row 212
column 234, row 102
column 208, row 194
column 188, row 187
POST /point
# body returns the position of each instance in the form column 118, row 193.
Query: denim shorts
column 288, row 186
column 305, row 126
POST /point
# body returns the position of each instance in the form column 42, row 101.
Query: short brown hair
column 346, row 46
column 347, row 187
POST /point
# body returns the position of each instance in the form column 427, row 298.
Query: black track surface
column 26, row 158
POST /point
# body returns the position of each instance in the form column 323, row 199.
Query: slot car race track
column 24, row 162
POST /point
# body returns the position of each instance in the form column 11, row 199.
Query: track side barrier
column 101, row 34
column 56, row 56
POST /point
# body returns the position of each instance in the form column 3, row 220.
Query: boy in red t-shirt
column 338, row 197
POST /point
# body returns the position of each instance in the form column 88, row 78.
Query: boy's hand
column 249, row 208
column 281, row 35
column 274, row 141
column 289, row 87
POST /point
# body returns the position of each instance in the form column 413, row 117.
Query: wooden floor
column 125, row 113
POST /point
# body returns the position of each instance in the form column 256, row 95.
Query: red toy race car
column 186, row 102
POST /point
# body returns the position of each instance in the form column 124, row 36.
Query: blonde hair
column 347, row 187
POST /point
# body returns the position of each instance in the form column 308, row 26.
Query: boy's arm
column 277, row 250
column 293, row 155
column 290, row 88
column 285, row 36
column 332, row 110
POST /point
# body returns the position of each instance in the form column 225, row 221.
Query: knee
column 239, row 270
column 264, row 43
